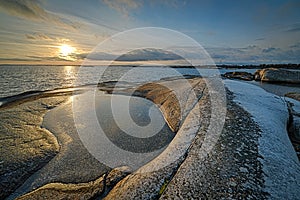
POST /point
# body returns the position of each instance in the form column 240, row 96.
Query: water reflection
column 70, row 73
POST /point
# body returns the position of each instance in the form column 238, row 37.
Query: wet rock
column 175, row 98
column 73, row 163
column 113, row 86
column 293, row 95
column 90, row 190
column 114, row 177
column 246, row 76
column 25, row 145
column 232, row 170
column 67, row 191
column 278, row 75
column 150, row 181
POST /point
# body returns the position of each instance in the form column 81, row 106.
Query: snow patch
column 280, row 163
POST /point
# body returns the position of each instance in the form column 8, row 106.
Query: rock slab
column 278, row 75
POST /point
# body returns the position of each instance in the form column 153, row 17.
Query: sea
column 17, row 79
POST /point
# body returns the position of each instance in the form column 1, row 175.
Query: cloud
column 269, row 50
column 251, row 47
column 38, row 36
column 32, row 10
column 136, row 55
column 19, row 59
column 251, row 54
column 45, row 37
column 295, row 27
column 295, row 46
column 51, row 58
column 260, row 39
column 23, row 8
column 123, row 6
column 254, row 54
column 287, row 8
column 149, row 55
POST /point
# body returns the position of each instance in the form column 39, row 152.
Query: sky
column 232, row 32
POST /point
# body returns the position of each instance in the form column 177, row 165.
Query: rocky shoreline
column 271, row 75
column 25, row 145
column 231, row 169
column 279, row 76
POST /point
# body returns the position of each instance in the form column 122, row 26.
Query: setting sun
column 66, row 50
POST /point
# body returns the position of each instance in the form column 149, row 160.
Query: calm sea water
column 18, row 79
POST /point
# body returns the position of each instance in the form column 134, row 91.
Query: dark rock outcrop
column 278, row 75
column 294, row 126
column 246, row 76
column 293, row 95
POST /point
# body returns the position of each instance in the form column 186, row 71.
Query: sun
column 66, row 50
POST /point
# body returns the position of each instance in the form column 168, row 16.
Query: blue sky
column 254, row 32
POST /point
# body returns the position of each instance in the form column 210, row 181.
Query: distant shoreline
column 224, row 66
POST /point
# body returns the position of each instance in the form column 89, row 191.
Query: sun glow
column 67, row 52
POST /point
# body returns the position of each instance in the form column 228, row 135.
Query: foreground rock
column 175, row 97
column 278, row 75
column 25, row 145
column 72, row 164
column 31, row 155
column 234, row 168
column 230, row 170
column 277, row 156
column 150, row 181
column 250, row 158
column 80, row 190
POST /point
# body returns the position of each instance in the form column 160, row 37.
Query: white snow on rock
column 280, row 163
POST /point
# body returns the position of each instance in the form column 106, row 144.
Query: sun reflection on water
column 70, row 74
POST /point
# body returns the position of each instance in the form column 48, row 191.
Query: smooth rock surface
column 246, row 76
column 82, row 191
column 231, row 170
column 72, row 164
column 278, row 75
column 67, row 191
column 281, row 167
column 174, row 105
column 25, row 145
column 240, row 161
column 149, row 181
